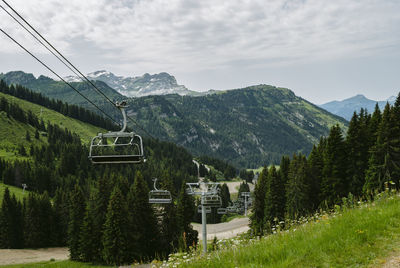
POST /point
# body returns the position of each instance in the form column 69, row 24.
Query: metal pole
column 245, row 206
column 204, row 227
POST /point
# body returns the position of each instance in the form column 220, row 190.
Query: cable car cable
column 41, row 62
column 83, row 77
column 40, row 41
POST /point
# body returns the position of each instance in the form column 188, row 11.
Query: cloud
column 179, row 35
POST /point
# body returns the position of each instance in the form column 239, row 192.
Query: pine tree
column 357, row 143
column 169, row 233
column 257, row 219
column 11, row 222
column 115, row 239
column 61, row 217
column 102, row 196
column 378, row 173
column 76, row 216
column 185, row 214
column 394, row 143
column 275, row 197
column 334, row 183
column 297, row 199
column 87, row 245
column 46, row 222
column 32, row 230
column 316, row 166
column 142, row 220
column 225, row 195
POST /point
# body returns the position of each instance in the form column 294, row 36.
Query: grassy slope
column 13, row 190
column 357, row 238
column 56, row 264
column 12, row 132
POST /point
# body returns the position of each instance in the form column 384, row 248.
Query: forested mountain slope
column 248, row 127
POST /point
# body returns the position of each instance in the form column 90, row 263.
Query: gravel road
column 224, row 230
column 17, row 256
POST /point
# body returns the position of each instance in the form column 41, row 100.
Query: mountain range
column 139, row 86
column 347, row 107
column 248, row 127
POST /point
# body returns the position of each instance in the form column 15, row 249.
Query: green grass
column 13, row 190
column 84, row 130
column 357, row 238
column 54, row 264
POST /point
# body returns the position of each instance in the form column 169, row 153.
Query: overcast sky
column 321, row 49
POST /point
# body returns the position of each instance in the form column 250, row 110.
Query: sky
column 322, row 50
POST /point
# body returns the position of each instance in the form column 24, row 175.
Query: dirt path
column 17, row 256
column 224, row 230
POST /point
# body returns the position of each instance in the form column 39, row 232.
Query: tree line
column 355, row 165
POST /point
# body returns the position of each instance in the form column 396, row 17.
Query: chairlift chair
column 117, row 147
column 222, row 210
column 159, row 196
column 231, row 209
column 211, row 200
column 208, row 209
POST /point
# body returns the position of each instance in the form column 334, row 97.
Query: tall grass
column 356, row 237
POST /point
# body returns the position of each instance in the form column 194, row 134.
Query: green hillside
column 84, row 130
column 13, row 132
column 362, row 237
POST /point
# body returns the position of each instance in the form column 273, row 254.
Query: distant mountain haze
column 347, row 107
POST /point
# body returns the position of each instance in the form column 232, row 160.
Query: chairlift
column 208, row 209
column 222, row 210
column 211, row 200
column 231, row 209
column 159, row 196
column 117, row 147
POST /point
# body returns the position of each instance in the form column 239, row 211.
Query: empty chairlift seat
column 211, row 200
column 159, row 196
column 222, row 210
column 117, row 147
column 208, row 209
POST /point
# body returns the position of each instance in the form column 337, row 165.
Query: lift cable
column 40, row 41
column 41, row 62
column 81, row 76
